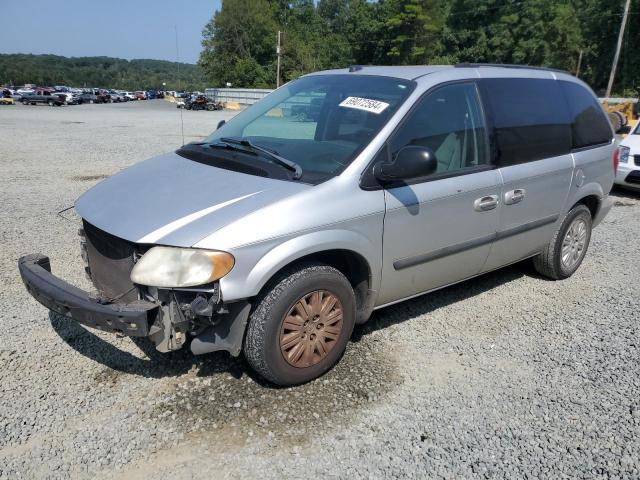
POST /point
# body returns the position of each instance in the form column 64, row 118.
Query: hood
column 633, row 142
column 170, row 200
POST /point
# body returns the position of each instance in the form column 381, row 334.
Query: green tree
column 413, row 29
column 238, row 44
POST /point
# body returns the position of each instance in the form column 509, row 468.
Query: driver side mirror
column 412, row 161
column 221, row 123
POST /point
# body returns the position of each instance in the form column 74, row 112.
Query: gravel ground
column 504, row 376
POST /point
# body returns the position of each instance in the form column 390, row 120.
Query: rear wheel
column 301, row 325
column 564, row 254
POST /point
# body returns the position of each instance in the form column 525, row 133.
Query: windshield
column 320, row 122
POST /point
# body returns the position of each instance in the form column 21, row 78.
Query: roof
column 411, row 72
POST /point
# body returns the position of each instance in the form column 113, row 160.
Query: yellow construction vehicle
column 622, row 112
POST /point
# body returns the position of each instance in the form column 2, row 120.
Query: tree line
column 239, row 41
column 101, row 72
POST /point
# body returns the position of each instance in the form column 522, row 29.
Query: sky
column 117, row 28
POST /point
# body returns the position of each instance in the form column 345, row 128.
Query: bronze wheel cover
column 311, row 329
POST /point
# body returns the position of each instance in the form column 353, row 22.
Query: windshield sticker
column 366, row 104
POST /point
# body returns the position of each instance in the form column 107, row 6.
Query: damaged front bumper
column 132, row 319
column 168, row 322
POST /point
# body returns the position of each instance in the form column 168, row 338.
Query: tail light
column 620, row 155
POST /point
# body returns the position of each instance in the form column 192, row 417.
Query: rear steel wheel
column 311, row 328
column 564, row 253
column 574, row 243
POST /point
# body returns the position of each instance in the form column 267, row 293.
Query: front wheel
column 568, row 247
column 300, row 325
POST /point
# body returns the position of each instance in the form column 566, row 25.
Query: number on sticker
column 366, row 104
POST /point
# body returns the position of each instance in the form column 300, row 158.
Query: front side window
column 450, row 122
column 320, row 122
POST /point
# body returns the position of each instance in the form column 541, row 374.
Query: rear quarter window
column 589, row 125
column 530, row 119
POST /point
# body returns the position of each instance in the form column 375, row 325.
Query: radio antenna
column 175, row 27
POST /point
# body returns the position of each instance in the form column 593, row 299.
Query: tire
column 266, row 328
column 615, row 121
column 25, row 102
column 550, row 261
column 211, row 108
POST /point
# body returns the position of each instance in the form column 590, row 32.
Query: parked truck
column 44, row 96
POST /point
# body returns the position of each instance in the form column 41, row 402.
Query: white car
column 129, row 95
column 70, row 98
column 628, row 175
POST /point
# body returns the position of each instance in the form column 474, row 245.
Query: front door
column 439, row 229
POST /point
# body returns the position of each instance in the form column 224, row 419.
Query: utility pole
column 618, row 47
column 278, row 52
column 579, row 64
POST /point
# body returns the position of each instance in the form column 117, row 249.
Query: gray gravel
column 505, row 376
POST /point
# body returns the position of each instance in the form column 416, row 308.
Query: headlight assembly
column 180, row 267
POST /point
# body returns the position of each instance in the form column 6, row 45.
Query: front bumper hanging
column 133, row 319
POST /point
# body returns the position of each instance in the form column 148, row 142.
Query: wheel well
column 353, row 266
column 592, row 202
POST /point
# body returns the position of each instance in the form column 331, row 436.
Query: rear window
column 589, row 125
column 530, row 118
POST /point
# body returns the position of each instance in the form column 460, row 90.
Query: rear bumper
column 131, row 319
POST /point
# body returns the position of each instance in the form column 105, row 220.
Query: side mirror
column 221, row 123
column 411, row 161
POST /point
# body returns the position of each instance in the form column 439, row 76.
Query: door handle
column 483, row 204
column 514, row 196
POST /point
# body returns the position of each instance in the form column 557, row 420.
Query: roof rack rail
column 507, row 65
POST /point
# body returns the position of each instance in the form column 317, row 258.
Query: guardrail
column 243, row 96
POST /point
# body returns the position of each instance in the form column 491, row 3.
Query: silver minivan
column 342, row 192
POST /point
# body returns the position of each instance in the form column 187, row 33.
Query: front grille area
column 109, row 262
column 636, row 160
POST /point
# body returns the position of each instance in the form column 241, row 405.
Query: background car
column 116, row 97
column 70, row 98
column 43, row 96
column 88, row 97
column 628, row 175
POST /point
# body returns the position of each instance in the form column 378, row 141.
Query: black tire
column 549, row 261
column 262, row 340
column 25, row 102
column 615, row 121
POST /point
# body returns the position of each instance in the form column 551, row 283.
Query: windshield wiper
column 285, row 162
